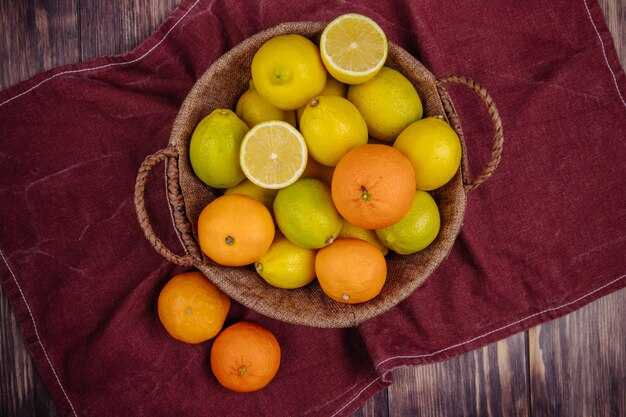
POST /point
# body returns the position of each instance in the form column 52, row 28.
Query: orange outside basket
column 220, row 86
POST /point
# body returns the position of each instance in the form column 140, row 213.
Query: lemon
column 388, row 103
column 254, row 109
column 247, row 187
column 353, row 48
column 286, row 265
column 350, row 230
column 331, row 126
column 433, row 148
column 214, row 149
column 332, row 88
column 287, row 71
column 305, row 214
column 416, row 230
column 273, row 154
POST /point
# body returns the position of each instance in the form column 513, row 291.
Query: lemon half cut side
column 273, row 154
column 353, row 48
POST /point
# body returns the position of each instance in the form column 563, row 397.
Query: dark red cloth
column 544, row 236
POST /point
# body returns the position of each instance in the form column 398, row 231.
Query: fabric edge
column 387, row 365
column 365, row 393
column 137, row 53
column 32, row 340
column 607, row 47
column 9, row 281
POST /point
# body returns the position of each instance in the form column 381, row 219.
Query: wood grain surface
column 573, row 366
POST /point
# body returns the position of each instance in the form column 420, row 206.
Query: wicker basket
column 220, row 86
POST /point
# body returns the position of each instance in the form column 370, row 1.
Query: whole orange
column 191, row 308
column 373, row 186
column 245, row 357
column 351, row 270
column 235, row 230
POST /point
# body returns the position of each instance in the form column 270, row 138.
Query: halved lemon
column 353, row 48
column 273, row 154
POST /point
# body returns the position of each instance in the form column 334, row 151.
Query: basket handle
column 142, row 214
column 496, row 122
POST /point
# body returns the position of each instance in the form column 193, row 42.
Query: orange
column 373, row 186
column 351, row 270
column 245, row 357
column 235, row 230
column 191, row 308
column 318, row 171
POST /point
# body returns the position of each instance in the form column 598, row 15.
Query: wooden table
column 573, row 366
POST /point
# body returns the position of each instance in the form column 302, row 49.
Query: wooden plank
column 377, row 406
column 578, row 362
column 22, row 393
column 491, row 381
column 116, row 27
column 615, row 16
column 36, row 36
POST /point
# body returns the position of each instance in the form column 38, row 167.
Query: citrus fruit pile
column 327, row 164
column 326, row 167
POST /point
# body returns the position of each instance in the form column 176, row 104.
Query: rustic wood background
column 573, row 366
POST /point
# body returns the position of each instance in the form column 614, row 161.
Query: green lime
column 286, row 265
column 416, row 230
column 214, row 149
column 306, row 215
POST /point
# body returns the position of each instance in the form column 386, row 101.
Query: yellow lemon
column 388, row 103
column 434, row 150
column 214, row 149
column 247, row 187
column 416, row 230
column 331, row 126
column 332, row 88
column 254, row 109
column 306, row 215
column 273, row 154
column 353, row 48
column 287, row 71
column 368, row 235
column 286, row 265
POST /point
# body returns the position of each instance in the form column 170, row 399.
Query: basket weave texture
column 220, row 87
